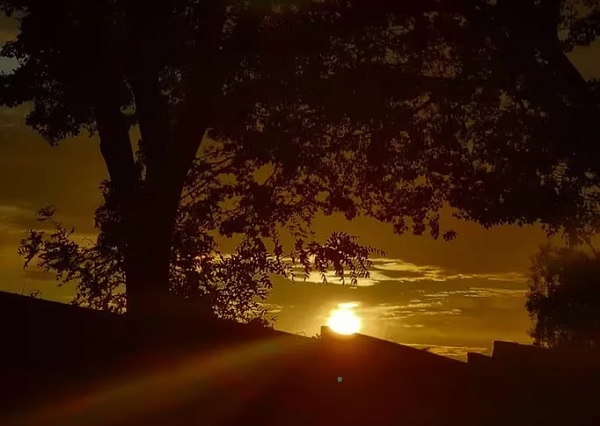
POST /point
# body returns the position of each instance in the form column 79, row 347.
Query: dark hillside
column 63, row 365
column 67, row 365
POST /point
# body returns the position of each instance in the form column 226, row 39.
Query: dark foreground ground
column 62, row 365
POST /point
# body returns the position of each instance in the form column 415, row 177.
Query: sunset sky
column 450, row 296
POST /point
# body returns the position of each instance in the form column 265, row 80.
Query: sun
column 344, row 321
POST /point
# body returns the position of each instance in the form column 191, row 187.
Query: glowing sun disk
column 344, row 321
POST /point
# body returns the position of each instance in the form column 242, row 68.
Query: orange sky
column 445, row 295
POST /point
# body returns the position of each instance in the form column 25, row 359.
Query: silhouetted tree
column 387, row 109
column 167, row 69
column 232, row 285
column 564, row 297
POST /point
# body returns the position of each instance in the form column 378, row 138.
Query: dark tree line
column 564, row 297
column 254, row 116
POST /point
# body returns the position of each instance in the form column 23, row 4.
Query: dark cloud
column 35, row 274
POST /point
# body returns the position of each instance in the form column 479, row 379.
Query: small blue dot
column 340, row 378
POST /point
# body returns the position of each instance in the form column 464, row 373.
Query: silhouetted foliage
column 256, row 115
column 564, row 297
column 231, row 285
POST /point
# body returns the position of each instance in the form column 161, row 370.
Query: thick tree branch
column 153, row 115
column 115, row 144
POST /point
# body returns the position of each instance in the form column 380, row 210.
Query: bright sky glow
column 343, row 320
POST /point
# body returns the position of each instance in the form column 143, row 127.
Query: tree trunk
column 151, row 225
column 148, row 209
column 169, row 149
column 147, row 268
column 147, row 259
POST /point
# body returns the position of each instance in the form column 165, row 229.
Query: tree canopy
column 564, row 298
column 256, row 115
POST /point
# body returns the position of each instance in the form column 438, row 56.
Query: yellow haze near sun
column 343, row 320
